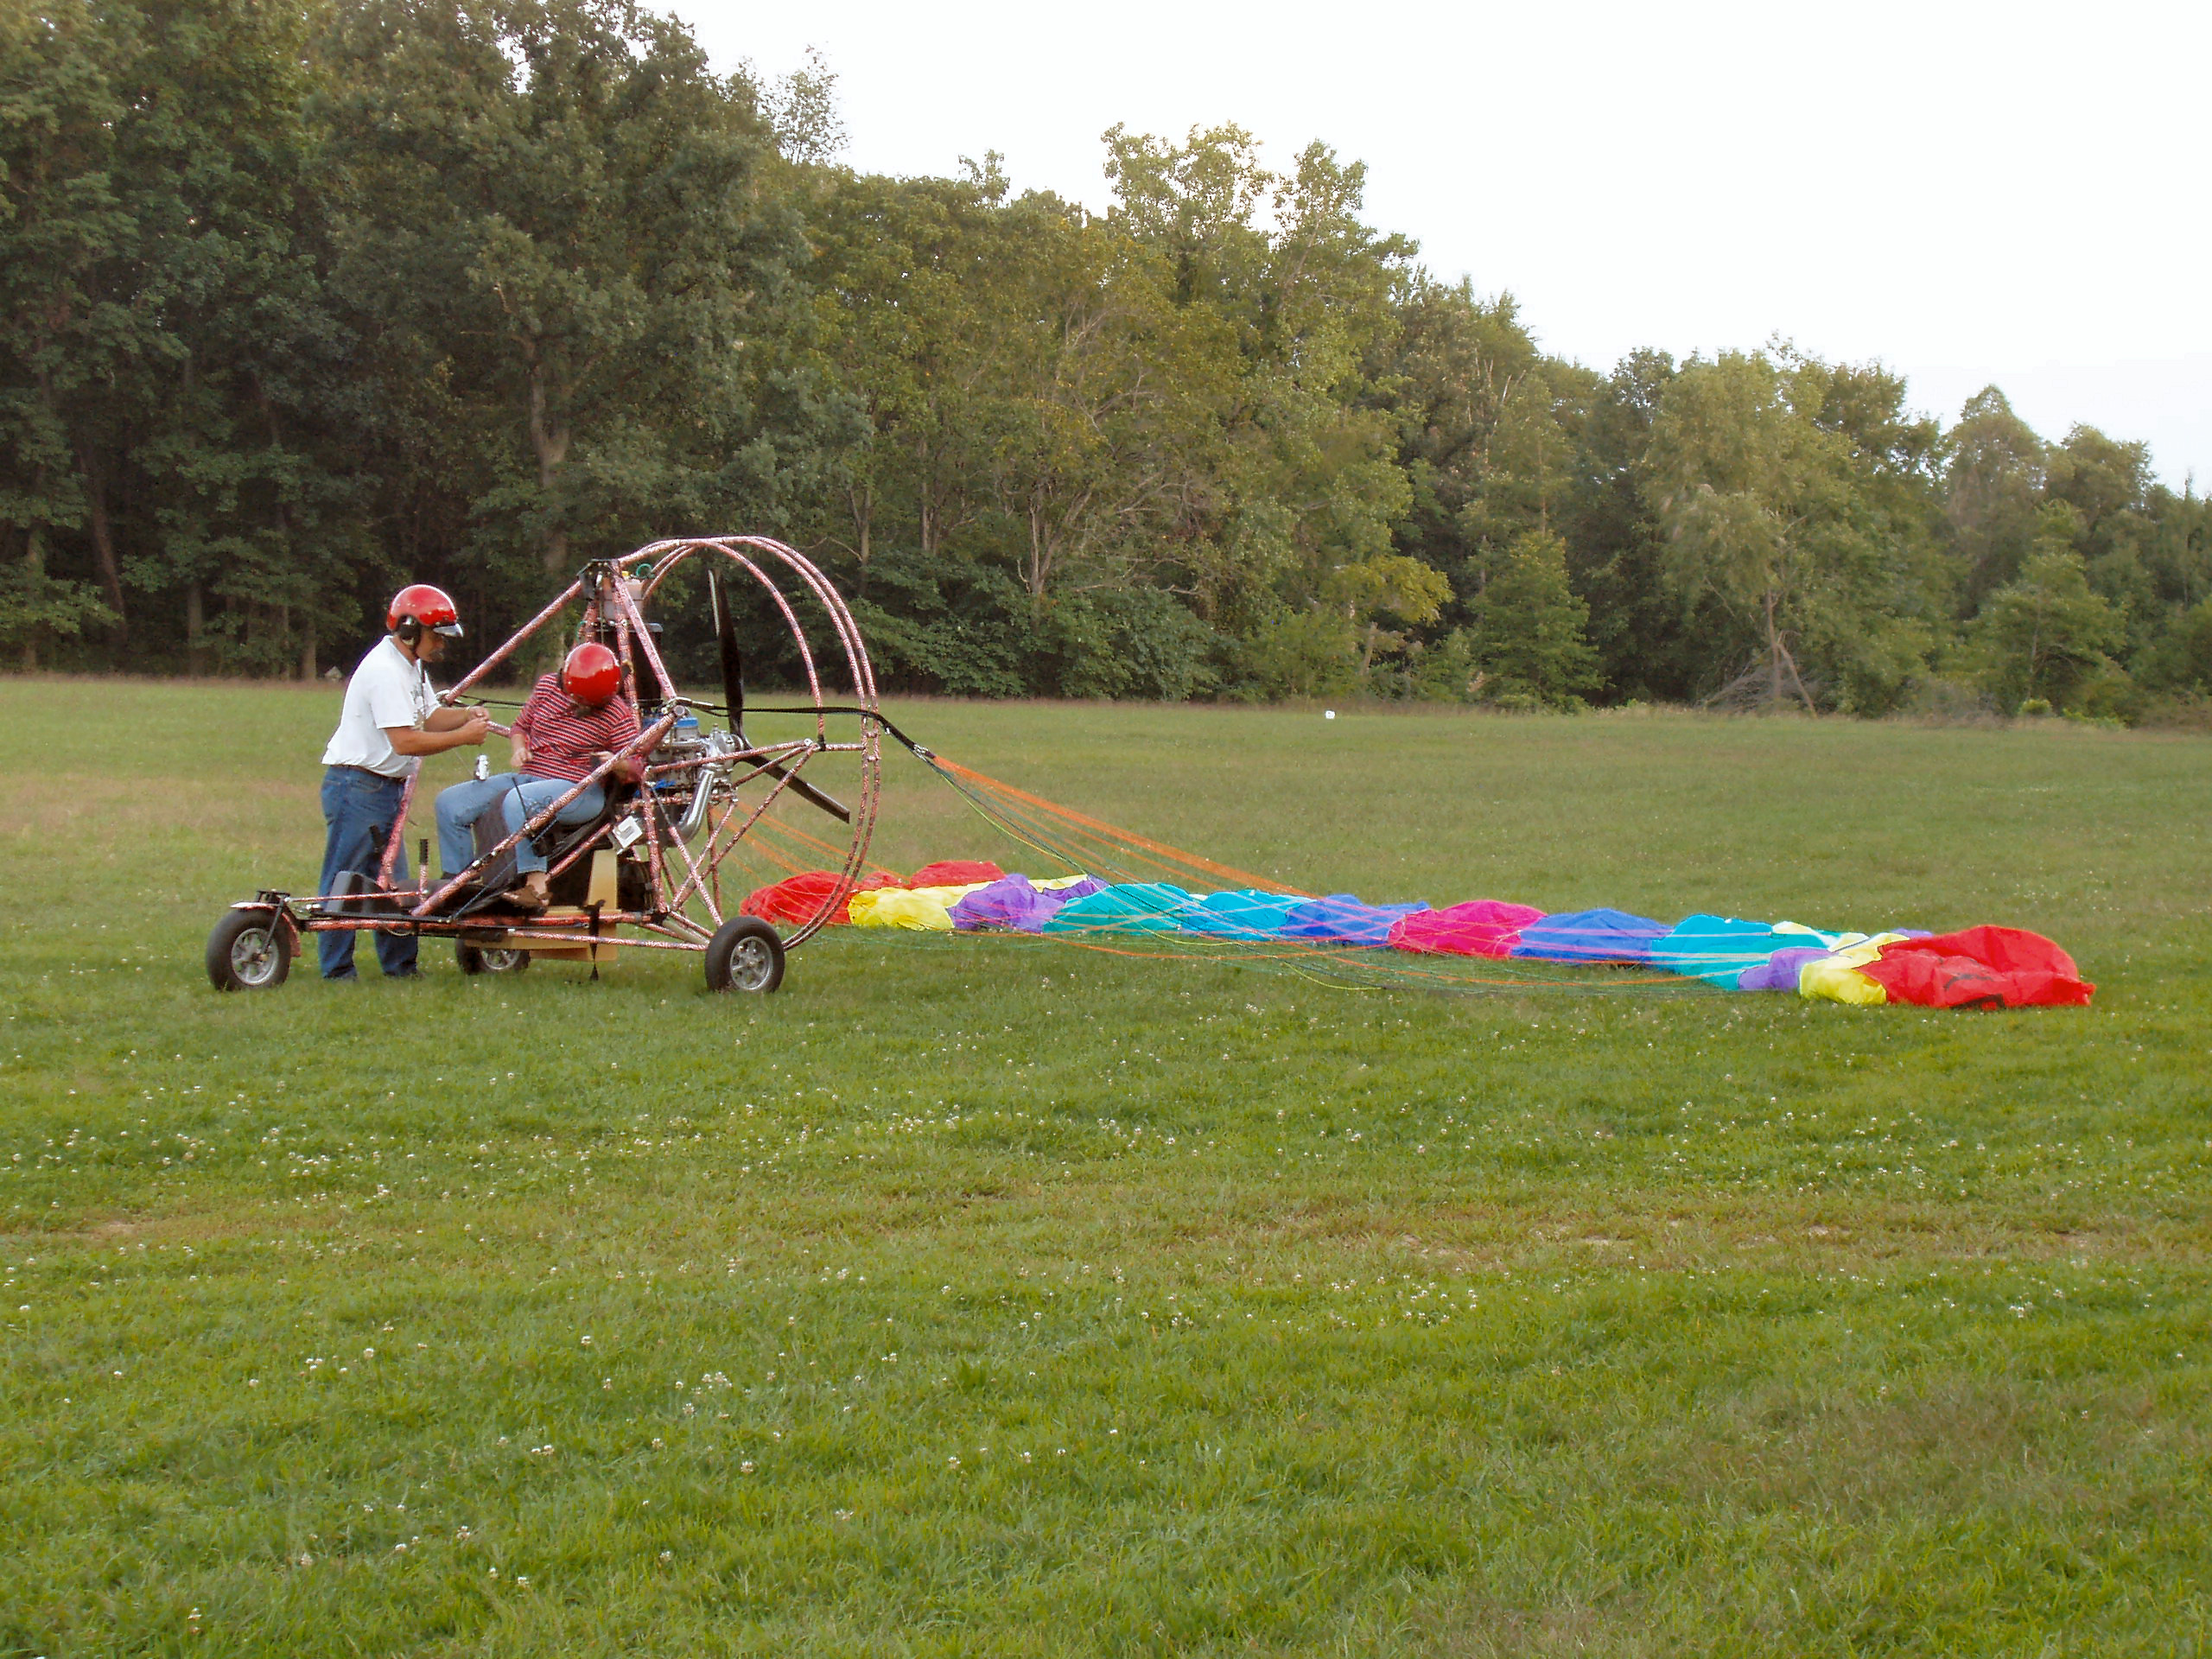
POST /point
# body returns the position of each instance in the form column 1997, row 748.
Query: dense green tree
column 1310, row 480
column 1994, row 486
column 1447, row 377
column 1741, row 481
column 1785, row 488
column 1041, row 415
column 69, row 315
column 2044, row 633
column 242, row 459
column 1648, row 645
column 1529, row 628
column 299, row 296
column 553, row 228
column 902, row 308
column 2181, row 660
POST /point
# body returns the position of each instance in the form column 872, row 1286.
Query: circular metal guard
column 768, row 812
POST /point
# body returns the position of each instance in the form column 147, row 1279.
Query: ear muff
column 409, row 630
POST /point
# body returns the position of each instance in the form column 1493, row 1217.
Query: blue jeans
column 519, row 797
column 359, row 807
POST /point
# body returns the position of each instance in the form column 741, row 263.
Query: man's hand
column 449, row 728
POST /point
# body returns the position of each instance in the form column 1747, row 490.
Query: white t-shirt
column 385, row 690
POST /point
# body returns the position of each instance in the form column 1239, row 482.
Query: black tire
column 746, row 954
column 489, row 958
column 248, row 950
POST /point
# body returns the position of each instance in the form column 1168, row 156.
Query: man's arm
column 449, row 728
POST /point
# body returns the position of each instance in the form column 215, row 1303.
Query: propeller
column 734, row 698
column 732, row 663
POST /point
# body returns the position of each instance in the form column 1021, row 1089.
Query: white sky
column 1970, row 190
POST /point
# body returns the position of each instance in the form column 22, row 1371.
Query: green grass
column 1004, row 1298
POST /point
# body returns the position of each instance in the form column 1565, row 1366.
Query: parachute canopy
column 1980, row 967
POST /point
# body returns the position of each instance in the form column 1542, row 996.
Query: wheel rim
column 750, row 964
column 254, row 956
column 501, row 962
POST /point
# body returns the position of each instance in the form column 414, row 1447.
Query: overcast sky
column 1970, row 192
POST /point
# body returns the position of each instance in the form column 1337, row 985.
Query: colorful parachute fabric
column 1721, row 949
column 1014, row 904
column 1481, row 927
column 921, row 910
column 1979, row 967
column 1126, row 907
column 1590, row 936
column 796, row 898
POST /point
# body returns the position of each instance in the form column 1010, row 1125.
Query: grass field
column 987, row 1300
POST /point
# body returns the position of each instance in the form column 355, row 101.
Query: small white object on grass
column 1328, row 714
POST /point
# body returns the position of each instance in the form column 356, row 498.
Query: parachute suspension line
column 1080, row 852
column 1109, row 834
column 778, row 826
column 1081, row 844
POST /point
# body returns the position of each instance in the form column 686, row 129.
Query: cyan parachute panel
column 1241, row 913
column 1981, row 967
column 1481, row 927
column 1590, row 936
column 1341, row 919
column 1720, row 950
column 1014, row 904
column 1126, row 907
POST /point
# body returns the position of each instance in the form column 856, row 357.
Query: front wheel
column 489, row 958
column 248, row 950
column 746, row 954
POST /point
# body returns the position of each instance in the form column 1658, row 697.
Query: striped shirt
column 565, row 737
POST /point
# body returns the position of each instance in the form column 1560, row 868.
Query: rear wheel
column 489, row 958
column 746, row 954
column 248, row 950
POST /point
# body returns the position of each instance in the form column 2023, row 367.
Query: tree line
column 302, row 298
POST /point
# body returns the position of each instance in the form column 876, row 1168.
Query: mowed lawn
column 974, row 1298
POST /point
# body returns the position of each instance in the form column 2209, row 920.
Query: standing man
column 391, row 719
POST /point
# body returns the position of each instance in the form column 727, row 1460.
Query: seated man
column 573, row 721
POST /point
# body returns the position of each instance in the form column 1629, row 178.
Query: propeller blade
column 829, row 803
column 733, row 662
column 733, row 696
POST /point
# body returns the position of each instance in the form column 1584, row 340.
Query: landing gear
column 488, row 958
column 746, row 954
column 250, row 951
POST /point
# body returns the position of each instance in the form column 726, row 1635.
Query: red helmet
column 424, row 606
column 591, row 675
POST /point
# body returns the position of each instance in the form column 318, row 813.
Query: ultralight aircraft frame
column 648, row 872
